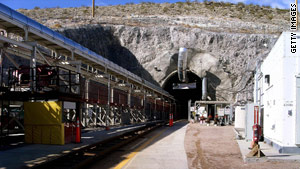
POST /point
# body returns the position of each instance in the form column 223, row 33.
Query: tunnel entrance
column 183, row 95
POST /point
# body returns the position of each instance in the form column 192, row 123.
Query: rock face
column 224, row 40
column 227, row 59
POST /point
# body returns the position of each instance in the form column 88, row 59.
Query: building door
column 262, row 124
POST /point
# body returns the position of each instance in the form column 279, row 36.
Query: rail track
column 85, row 156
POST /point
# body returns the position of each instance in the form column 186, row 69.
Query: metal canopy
column 15, row 22
column 214, row 102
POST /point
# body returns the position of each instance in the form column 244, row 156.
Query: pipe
column 182, row 64
column 204, row 88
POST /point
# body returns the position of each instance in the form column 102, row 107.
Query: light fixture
column 65, row 63
column 73, row 62
column 137, row 91
column 122, row 84
column 99, row 76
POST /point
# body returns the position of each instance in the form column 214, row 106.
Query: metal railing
column 46, row 78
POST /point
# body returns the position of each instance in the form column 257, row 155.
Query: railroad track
column 87, row 155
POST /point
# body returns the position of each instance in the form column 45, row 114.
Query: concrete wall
column 272, row 93
column 279, row 96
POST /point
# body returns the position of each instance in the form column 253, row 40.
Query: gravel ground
column 215, row 147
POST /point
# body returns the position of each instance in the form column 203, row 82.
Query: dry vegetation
column 61, row 17
column 217, row 9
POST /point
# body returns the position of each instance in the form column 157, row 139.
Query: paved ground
column 160, row 149
column 32, row 154
column 166, row 151
column 271, row 154
column 182, row 146
column 210, row 147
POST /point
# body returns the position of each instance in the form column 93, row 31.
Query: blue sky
column 29, row 4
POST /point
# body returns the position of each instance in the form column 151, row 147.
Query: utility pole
column 93, row 9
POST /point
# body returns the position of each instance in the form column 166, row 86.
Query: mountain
column 224, row 40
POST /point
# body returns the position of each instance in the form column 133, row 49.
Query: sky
column 29, row 4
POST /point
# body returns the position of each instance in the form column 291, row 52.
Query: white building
column 277, row 91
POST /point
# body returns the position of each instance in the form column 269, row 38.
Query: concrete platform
column 32, row 154
column 165, row 150
column 271, row 153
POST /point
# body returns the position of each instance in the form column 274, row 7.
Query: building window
column 267, row 79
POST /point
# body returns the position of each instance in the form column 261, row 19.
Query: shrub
column 165, row 9
column 188, row 2
column 85, row 11
column 270, row 16
column 179, row 4
column 65, row 12
column 267, row 6
column 57, row 25
column 172, row 5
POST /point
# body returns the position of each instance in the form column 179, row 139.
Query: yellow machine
column 43, row 122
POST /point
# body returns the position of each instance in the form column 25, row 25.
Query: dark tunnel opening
column 182, row 96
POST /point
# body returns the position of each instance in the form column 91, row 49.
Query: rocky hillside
column 225, row 40
column 212, row 16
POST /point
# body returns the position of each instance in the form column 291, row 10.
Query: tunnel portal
column 183, row 95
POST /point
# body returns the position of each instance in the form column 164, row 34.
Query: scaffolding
column 38, row 65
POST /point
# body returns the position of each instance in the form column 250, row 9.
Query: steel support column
column 33, row 69
column 189, row 110
column 113, row 109
column 1, row 68
column 1, row 120
column 87, row 81
column 170, row 108
column 163, row 111
column 108, row 101
column 79, row 110
column 144, row 104
column 95, row 113
column 129, row 97
column 26, row 33
column 155, row 111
